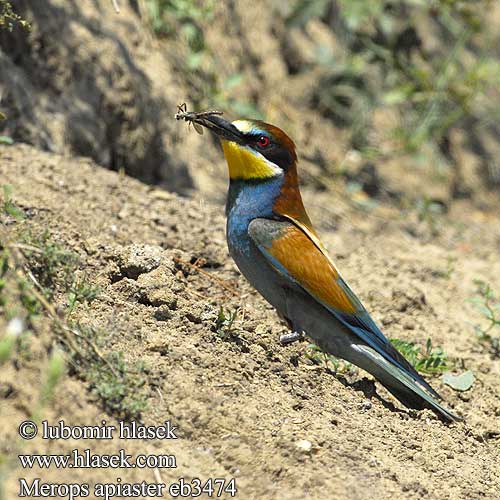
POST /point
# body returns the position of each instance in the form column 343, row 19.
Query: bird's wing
column 292, row 252
column 297, row 253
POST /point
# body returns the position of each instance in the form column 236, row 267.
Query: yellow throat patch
column 246, row 164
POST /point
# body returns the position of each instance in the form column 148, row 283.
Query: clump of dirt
column 246, row 407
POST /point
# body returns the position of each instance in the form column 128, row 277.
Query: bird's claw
column 289, row 338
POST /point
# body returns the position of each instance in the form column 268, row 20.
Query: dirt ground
column 94, row 94
column 245, row 406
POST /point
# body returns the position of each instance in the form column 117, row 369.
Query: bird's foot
column 289, row 338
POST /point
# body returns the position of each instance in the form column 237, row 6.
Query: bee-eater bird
column 273, row 243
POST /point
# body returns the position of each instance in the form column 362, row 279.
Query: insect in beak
column 211, row 120
column 192, row 116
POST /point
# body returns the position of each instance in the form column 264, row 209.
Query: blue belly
column 246, row 203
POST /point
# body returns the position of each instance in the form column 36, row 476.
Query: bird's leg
column 291, row 337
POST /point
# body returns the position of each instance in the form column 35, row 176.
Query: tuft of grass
column 15, row 291
column 8, row 206
column 317, row 356
column 51, row 263
column 486, row 303
column 56, row 369
column 54, row 267
column 123, row 393
column 121, row 387
column 430, row 360
column 81, row 292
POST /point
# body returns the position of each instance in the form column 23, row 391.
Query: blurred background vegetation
column 432, row 66
column 408, row 82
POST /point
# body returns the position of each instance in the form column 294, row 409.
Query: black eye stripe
column 273, row 151
column 253, row 140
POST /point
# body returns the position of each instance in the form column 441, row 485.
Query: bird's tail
column 398, row 382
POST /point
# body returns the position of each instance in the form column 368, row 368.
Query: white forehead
column 244, row 126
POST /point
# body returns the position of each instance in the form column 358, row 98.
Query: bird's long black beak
column 219, row 126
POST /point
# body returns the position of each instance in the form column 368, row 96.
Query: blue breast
column 247, row 201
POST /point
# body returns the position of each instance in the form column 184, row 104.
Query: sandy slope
column 243, row 403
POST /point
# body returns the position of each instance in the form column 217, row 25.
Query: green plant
column 317, row 356
column 9, row 19
column 54, row 267
column 51, row 376
column 31, row 272
column 8, row 340
column 211, row 87
column 5, row 139
column 485, row 302
column 18, row 306
column 14, row 285
column 383, row 59
column 224, row 323
column 430, row 360
column 81, row 292
column 221, row 97
column 120, row 386
column 54, row 372
column 168, row 17
column 51, row 263
column 8, row 206
column 450, row 268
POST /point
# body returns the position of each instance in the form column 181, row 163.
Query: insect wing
column 198, row 128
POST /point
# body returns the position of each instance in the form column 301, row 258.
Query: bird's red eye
column 263, row 141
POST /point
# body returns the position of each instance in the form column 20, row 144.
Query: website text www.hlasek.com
column 84, row 458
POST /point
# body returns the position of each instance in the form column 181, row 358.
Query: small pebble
column 304, row 445
column 365, row 405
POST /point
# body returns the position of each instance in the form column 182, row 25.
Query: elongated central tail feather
column 398, row 382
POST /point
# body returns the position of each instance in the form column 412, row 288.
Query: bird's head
column 257, row 152
column 254, row 150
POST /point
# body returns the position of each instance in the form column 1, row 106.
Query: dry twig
column 216, row 280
